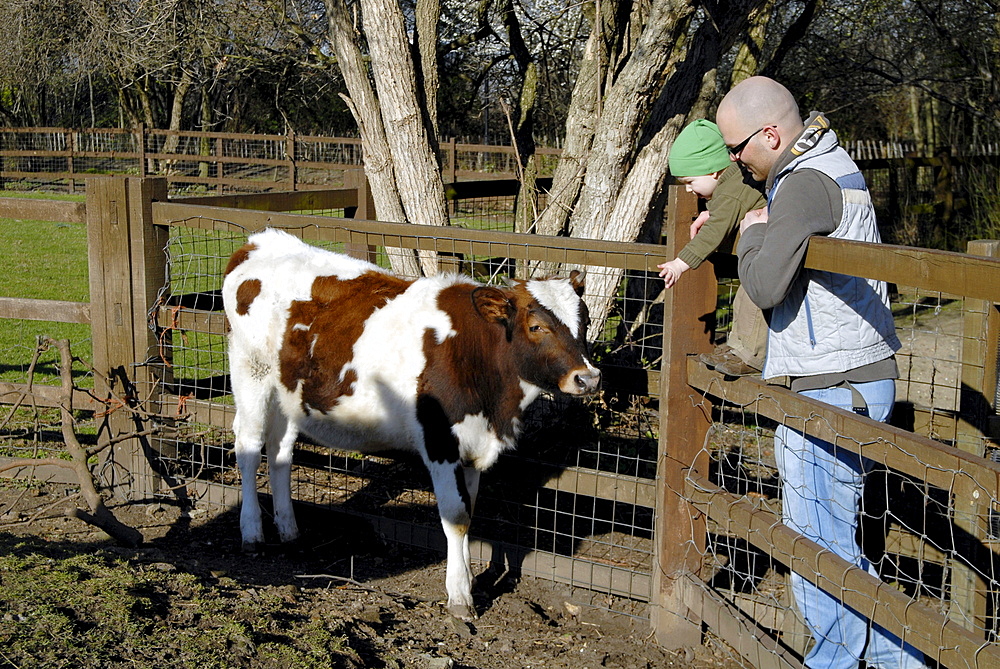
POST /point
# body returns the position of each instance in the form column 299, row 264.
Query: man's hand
column 671, row 271
column 698, row 222
column 753, row 217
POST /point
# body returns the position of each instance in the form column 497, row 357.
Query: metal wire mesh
column 575, row 504
column 929, row 541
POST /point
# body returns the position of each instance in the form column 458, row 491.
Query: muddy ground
column 382, row 601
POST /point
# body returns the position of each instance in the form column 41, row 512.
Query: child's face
column 702, row 186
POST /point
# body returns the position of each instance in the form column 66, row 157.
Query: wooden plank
column 968, row 587
column 57, row 211
column 46, row 473
column 914, row 622
column 148, row 264
column 112, row 306
column 577, row 571
column 46, row 396
column 643, row 257
column 153, row 132
column 929, row 269
column 742, row 633
column 559, row 568
column 967, row 476
column 198, row 157
column 203, row 412
column 578, row 480
column 678, row 546
column 44, row 310
column 212, row 322
column 604, row 485
column 339, row 198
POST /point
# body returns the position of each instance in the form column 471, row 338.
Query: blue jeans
column 821, row 488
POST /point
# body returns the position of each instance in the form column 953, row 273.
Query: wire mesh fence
column 574, row 504
column 924, row 535
column 585, row 514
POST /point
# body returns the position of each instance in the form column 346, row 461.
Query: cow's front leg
column 455, row 501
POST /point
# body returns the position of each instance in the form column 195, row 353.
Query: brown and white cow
column 357, row 358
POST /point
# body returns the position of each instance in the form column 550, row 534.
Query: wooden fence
column 130, row 221
column 220, row 162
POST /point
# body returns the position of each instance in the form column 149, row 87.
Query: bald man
column 831, row 334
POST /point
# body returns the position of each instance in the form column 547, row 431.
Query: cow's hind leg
column 280, row 446
column 455, row 500
column 253, row 411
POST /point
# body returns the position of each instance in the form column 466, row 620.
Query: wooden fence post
column 127, row 268
column 219, row 171
column 140, row 139
column 71, row 145
column 452, row 160
column 364, row 210
column 679, row 533
column 290, row 152
column 977, row 410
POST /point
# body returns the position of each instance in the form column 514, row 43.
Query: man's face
column 747, row 147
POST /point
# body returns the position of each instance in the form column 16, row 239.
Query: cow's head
column 546, row 322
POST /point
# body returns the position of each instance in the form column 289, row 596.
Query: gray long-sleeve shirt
column 771, row 254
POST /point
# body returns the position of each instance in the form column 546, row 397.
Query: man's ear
column 576, row 278
column 495, row 306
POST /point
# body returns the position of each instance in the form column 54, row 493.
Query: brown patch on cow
column 320, row 334
column 472, row 372
column 246, row 293
column 238, row 257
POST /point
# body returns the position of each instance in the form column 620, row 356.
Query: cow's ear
column 576, row 278
column 494, row 306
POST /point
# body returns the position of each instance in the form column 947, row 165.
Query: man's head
column 758, row 119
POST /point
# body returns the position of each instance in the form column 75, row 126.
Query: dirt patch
column 338, row 598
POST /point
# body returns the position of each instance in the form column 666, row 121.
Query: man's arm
column 771, row 253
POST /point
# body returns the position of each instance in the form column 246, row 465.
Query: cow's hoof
column 463, row 612
column 252, row 547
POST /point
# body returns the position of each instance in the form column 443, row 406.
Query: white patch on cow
column 478, row 445
column 300, row 326
column 558, row 296
column 531, row 393
column 388, row 359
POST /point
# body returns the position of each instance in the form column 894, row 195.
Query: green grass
column 42, row 260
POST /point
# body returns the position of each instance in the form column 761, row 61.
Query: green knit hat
column 698, row 150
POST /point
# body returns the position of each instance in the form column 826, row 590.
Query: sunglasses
column 735, row 151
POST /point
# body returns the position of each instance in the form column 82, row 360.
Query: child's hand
column 698, row 222
column 671, row 271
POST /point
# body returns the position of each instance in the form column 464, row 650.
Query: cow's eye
column 535, row 328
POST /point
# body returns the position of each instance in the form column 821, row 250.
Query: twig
column 366, row 588
column 39, row 349
column 99, row 516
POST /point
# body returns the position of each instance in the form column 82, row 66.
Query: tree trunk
column 364, row 106
column 418, row 176
column 428, row 12
column 750, row 58
column 581, row 119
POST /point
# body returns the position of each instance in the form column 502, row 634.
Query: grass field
column 41, row 260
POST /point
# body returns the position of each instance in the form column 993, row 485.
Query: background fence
column 660, row 498
column 937, row 200
column 194, row 162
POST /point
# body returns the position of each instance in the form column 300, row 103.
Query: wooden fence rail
column 128, row 224
column 218, row 161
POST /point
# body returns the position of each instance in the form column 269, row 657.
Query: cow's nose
column 588, row 382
